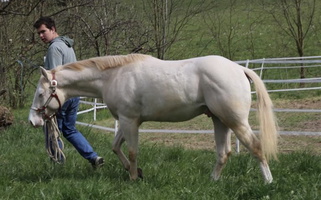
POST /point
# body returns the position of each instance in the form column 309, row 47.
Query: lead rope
column 52, row 135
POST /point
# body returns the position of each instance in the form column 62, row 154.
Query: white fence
column 289, row 67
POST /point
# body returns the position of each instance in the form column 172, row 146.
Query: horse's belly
column 174, row 115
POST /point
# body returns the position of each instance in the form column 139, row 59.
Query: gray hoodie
column 60, row 52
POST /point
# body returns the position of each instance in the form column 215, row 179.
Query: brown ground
column 206, row 141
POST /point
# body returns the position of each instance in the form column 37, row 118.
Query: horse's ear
column 43, row 71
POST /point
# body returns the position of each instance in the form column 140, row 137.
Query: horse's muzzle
column 35, row 120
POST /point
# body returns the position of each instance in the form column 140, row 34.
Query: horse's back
column 160, row 90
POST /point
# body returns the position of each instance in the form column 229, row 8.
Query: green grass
column 169, row 172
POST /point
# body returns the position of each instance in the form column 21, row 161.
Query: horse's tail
column 268, row 124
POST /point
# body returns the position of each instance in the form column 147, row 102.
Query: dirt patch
column 300, row 143
column 314, row 125
column 311, row 103
column 287, row 143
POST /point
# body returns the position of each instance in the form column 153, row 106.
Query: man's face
column 45, row 34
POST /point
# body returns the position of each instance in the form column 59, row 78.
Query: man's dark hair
column 47, row 21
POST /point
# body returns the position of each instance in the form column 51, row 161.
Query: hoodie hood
column 65, row 39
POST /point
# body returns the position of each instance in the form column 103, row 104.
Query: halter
column 42, row 110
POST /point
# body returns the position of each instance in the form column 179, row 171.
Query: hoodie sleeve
column 54, row 57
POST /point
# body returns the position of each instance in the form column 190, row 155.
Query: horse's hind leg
column 245, row 134
column 223, row 146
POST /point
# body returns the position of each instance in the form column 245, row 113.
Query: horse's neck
column 79, row 83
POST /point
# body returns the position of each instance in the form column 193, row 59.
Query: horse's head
column 47, row 100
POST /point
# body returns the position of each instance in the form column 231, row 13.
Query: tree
column 294, row 19
column 167, row 18
column 224, row 27
column 16, row 45
column 106, row 29
column 230, row 36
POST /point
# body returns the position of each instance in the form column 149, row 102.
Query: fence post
column 95, row 109
column 262, row 66
column 237, row 142
column 116, row 127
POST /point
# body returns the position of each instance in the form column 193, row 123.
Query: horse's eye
column 41, row 92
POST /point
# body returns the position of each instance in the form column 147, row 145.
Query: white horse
column 139, row 88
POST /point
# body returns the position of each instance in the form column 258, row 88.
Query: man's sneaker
column 97, row 162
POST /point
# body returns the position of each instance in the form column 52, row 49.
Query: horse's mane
column 104, row 62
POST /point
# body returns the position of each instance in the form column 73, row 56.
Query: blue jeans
column 66, row 119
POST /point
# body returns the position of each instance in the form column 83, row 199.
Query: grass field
column 170, row 171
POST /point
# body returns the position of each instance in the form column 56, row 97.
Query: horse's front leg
column 132, row 141
column 117, row 143
column 128, row 129
column 223, row 146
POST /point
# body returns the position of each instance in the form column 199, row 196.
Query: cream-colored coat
column 138, row 88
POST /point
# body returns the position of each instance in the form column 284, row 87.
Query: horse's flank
column 103, row 63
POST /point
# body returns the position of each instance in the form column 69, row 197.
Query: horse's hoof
column 140, row 173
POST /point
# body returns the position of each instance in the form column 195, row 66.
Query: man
column 60, row 52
